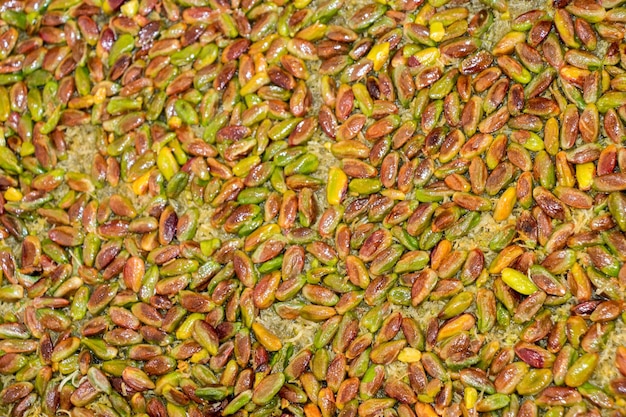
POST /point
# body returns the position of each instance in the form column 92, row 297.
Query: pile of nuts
column 186, row 183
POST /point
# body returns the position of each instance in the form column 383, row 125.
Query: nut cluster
column 312, row 208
